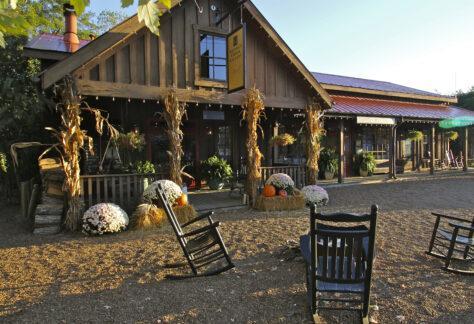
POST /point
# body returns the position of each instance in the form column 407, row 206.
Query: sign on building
column 375, row 120
column 236, row 59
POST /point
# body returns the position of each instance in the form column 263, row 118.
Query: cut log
column 49, row 230
column 42, row 220
column 49, row 209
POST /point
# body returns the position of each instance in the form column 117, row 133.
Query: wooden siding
column 172, row 60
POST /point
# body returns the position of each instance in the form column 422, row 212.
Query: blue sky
column 426, row 44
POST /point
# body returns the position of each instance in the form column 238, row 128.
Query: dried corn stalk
column 71, row 139
column 253, row 110
column 314, row 131
column 173, row 114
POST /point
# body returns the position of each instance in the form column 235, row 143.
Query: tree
column 466, row 99
column 14, row 22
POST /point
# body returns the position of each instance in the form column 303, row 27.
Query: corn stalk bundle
column 253, row 109
column 282, row 140
column 71, row 140
column 173, row 114
column 314, row 131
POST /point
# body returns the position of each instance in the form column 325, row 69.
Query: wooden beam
column 340, row 176
column 432, row 150
column 393, row 153
column 388, row 93
column 466, row 149
column 123, row 90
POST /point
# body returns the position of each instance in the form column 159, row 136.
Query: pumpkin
column 269, row 191
column 182, row 200
column 283, row 193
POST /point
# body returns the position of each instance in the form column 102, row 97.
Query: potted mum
column 328, row 163
column 216, row 172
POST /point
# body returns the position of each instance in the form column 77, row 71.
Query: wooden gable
column 142, row 65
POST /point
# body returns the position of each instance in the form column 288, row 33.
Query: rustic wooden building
column 128, row 70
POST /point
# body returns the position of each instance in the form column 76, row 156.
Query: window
column 213, row 57
column 224, row 143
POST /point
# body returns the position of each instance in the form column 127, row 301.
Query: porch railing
column 297, row 173
column 124, row 190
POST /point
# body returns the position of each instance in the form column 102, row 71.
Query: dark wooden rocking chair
column 452, row 241
column 339, row 262
column 204, row 249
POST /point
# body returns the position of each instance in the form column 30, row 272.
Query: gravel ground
column 120, row 278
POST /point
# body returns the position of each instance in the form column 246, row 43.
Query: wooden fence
column 124, row 190
column 297, row 173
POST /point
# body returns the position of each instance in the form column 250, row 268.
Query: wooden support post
column 340, row 176
column 393, row 153
column 432, row 150
column 466, row 149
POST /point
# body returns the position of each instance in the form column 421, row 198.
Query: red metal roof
column 346, row 105
column 352, row 82
column 52, row 42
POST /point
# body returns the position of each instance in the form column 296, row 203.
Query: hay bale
column 277, row 203
column 148, row 216
column 184, row 213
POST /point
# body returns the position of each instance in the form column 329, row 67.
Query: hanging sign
column 236, row 59
column 375, row 120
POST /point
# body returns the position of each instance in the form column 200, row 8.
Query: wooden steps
column 49, row 212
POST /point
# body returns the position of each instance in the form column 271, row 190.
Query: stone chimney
column 70, row 33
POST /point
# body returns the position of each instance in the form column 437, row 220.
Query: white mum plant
column 315, row 195
column 171, row 190
column 104, row 218
column 281, row 181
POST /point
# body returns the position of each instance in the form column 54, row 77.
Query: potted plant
column 366, row 162
column 328, row 163
column 452, row 135
column 415, row 135
column 144, row 167
column 216, row 172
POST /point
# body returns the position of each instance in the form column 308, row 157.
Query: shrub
column 104, row 218
column 215, row 168
column 366, row 162
column 171, row 190
column 315, row 195
column 328, row 160
column 144, row 167
column 281, row 181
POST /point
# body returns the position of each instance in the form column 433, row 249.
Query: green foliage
column 452, row 135
column 365, row 161
column 466, row 99
column 3, row 163
column 17, row 18
column 415, row 135
column 144, row 167
column 215, row 168
column 131, row 141
column 328, row 160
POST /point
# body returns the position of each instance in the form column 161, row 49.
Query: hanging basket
column 452, row 135
column 282, row 140
column 415, row 135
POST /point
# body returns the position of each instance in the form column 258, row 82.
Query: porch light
column 96, row 97
column 113, row 98
column 129, row 100
column 143, row 100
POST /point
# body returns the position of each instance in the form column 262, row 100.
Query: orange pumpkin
column 283, row 193
column 269, row 191
column 182, row 200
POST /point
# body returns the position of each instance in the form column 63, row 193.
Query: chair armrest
column 461, row 226
column 201, row 230
column 451, row 217
column 198, row 218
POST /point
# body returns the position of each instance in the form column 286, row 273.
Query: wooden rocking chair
column 452, row 241
column 339, row 262
column 203, row 247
